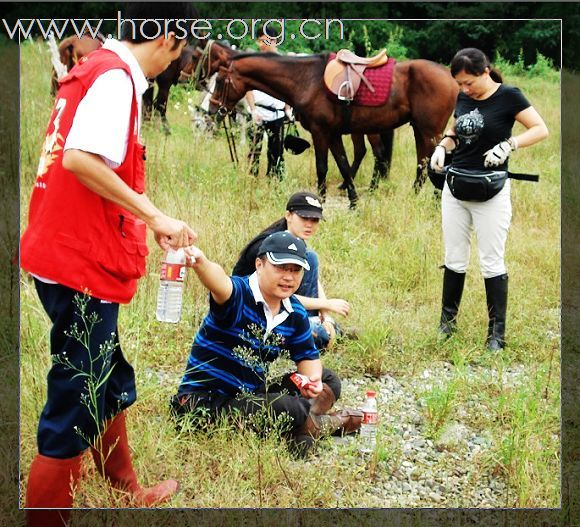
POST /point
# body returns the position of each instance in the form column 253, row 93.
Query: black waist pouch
column 475, row 185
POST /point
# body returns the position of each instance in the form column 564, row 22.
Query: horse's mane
column 279, row 57
column 307, row 64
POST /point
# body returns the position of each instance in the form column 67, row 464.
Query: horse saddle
column 344, row 73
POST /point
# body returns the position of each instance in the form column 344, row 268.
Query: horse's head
column 229, row 89
column 206, row 60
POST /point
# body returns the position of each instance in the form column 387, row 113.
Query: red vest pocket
column 123, row 249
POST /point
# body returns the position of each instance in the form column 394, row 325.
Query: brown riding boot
column 351, row 421
column 320, row 425
column 324, row 402
column 113, row 460
column 338, row 423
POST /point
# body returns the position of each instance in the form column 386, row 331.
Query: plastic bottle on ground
column 368, row 429
column 170, row 295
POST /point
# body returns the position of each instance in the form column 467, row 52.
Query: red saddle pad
column 381, row 79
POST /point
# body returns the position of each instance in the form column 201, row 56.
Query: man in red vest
column 85, row 246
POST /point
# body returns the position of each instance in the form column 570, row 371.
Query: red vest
column 74, row 236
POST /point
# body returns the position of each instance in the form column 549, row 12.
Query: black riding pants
column 281, row 398
column 275, row 147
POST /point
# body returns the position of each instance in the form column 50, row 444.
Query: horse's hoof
column 342, row 186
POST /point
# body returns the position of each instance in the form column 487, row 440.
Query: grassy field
column 383, row 258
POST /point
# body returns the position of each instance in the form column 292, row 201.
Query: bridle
column 221, row 103
column 226, row 115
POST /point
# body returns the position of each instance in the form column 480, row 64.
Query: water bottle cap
column 175, row 256
column 371, row 393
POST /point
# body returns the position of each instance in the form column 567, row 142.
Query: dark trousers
column 275, row 147
column 281, row 398
column 89, row 380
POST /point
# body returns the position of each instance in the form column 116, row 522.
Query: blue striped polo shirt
column 237, row 339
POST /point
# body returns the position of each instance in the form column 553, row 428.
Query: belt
column 271, row 108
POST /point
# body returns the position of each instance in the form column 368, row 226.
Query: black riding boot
column 496, row 290
column 452, row 290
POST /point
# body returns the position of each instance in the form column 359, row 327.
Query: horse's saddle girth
column 344, row 73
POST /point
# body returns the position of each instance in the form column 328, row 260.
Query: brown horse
column 210, row 55
column 206, row 59
column 165, row 80
column 423, row 94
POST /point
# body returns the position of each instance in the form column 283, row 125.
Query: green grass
column 383, row 258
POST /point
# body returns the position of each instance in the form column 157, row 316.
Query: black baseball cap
column 283, row 248
column 305, row 204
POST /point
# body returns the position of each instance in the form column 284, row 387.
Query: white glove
column 438, row 158
column 498, row 154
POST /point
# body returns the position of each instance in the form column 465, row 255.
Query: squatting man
column 218, row 380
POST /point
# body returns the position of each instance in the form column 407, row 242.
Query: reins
column 222, row 111
column 222, row 102
column 202, row 71
column 230, row 138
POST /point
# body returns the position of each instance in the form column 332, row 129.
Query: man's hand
column 498, row 154
column 313, row 389
column 210, row 274
column 438, row 158
column 193, row 256
column 256, row 117
column 172, row 233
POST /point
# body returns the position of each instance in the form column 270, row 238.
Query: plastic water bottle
column 170, row 296
column 368, row 429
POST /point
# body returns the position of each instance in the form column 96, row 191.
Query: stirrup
column 346, row 86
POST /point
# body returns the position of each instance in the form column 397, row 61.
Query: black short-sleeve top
column 480, row 125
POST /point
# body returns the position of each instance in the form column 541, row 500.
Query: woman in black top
column 481, row 139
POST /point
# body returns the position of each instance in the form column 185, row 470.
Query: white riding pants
column 490, row 220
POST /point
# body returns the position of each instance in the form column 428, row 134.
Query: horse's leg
column 381, row 153
column 321, row 155
column 359, row 151
column 387, row 142
column 147, row 103
column 161, row 107
column 424, row 143
column 339, row 154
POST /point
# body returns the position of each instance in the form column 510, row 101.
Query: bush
column 543, row 67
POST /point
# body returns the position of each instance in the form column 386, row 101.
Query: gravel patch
column 414, row 470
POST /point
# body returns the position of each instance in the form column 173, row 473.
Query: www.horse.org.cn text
column 201, row 28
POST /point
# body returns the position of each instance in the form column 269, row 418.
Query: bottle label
column 172, row 272
column 370, row 418
column 300, row 380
